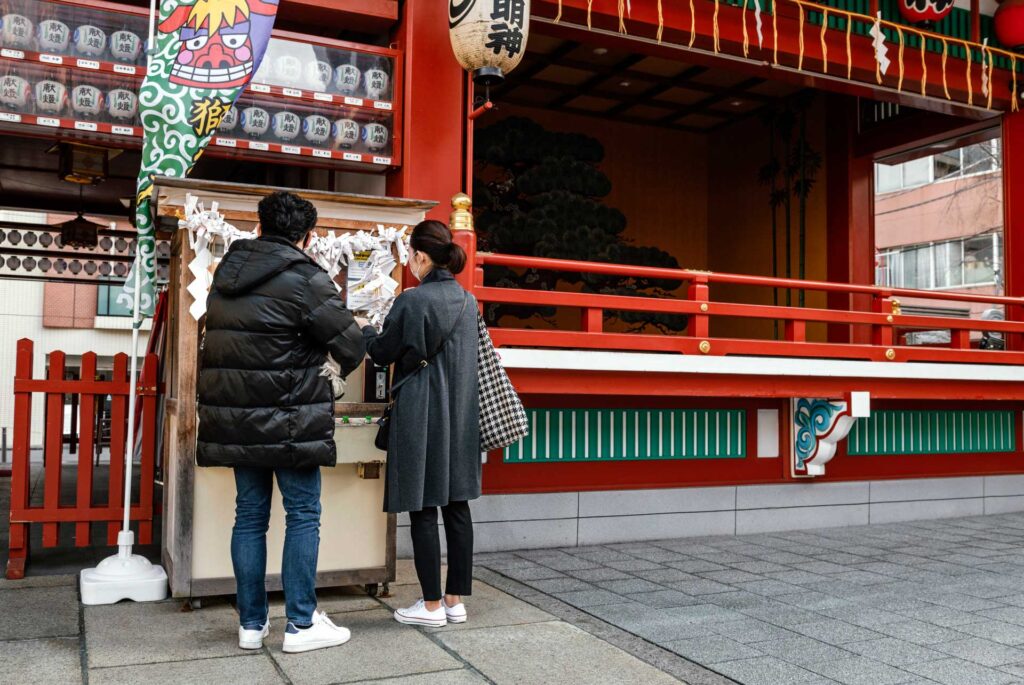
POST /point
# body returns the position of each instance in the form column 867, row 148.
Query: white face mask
column 412, row 267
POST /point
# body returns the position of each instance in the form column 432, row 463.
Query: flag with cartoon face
column 206, row 53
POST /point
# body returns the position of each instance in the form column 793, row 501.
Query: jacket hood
column 250, row 263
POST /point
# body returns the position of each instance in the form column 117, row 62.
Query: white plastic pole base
column 123, row 576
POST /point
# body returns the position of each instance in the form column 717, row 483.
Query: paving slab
column 959, row 672
column 525, row 654
column 331, row 600
column 981, row 651
column 47, row 661
column 376, row 650
column 802, row 650
column 39, row 581
column 860, row 670
column 892, row 651
column 252, row 669
column 712, row 648
column 486, row 607
column 766, row 670
column 128, row 634
column 47, row 611
column 459, row 677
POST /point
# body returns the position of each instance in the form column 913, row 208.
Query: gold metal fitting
column 462, row 216
column 890, row 354
column 704, row 347
column 896, row 307
column 703, row 306
column 889, row 318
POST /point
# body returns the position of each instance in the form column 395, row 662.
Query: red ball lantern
column 1009, row 22
column 925, row 11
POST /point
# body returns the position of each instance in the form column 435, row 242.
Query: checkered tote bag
column 502, row 417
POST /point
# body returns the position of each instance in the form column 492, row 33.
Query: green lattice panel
column 933, row 432
column 589, row 435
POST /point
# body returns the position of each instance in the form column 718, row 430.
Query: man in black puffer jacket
column 266, row 410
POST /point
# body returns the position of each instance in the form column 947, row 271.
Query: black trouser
column 426, row 549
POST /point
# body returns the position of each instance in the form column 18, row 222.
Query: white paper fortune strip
column 878, row 43
column 757, row 19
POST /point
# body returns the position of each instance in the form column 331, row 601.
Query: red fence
column 85, row 510
column 883, row 318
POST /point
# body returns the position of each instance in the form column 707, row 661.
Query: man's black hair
column 286, row 215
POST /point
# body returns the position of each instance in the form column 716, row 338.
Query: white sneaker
column 455, row 614
column 419, row 615
column 323, row 633
column 253, row 639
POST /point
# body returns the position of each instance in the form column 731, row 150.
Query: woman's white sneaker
column 419, row 615
column 455, row 614
column 323, row 633
column 253, row 639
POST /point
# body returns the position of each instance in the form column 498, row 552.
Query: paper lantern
column 125, row 46
column 318, row 75
column 345, row 133
column 346, row 78
column 15, row 92
column 86, row 100
column 316, row 128
column 90, row 40
column 375, row 136
column 229, row 120
column 53, row 36
column 1009, row 20
column 376, row 80
column 15, row 31
column 925, row 12
column 286, row 125
column 122, row 104
column 255, row 120
column 489, row 36
column 287, row 70
column 51, row 97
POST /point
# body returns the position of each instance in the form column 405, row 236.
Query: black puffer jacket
column 272, row 317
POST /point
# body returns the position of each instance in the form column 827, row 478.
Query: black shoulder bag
column 384, row 422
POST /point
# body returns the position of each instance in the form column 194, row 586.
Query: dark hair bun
column 434, row 239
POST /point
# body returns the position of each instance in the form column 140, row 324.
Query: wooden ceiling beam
column 649, row 95
column 701, row 107
column 523, row 75
column 519, row 102
column 622, row 98
column 598, row 76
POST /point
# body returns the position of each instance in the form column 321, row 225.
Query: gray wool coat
column 434, row 444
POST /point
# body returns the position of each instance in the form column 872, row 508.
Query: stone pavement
column 48, row 638
column 922, row 602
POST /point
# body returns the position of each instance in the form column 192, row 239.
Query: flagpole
column 126, row 575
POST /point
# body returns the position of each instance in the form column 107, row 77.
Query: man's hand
column 361, row 322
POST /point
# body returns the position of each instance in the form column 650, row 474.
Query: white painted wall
column 21, row 316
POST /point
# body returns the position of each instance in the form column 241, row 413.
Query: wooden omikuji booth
column 357, row 537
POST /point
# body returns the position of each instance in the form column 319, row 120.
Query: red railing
column 883, row 317
column 85, row 510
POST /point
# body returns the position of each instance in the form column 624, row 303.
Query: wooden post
column 148, row 390
column 20, row 475
column 1013, row 218
column 699, row 324
column 53, row 448
column 87, row 407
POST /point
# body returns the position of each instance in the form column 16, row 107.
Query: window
column 960, row 263
column 979, row 158
column 106, row 301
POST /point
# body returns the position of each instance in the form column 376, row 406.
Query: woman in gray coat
column 431, row 337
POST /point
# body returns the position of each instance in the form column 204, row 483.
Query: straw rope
column 824, row 45
column 800, row 34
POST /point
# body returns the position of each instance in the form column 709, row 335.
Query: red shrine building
column 752, row 265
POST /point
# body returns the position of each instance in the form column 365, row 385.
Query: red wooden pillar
column 434, row 124
column 850, row 217
column 1013, row 217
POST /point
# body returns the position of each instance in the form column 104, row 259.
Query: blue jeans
column 300, row 490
